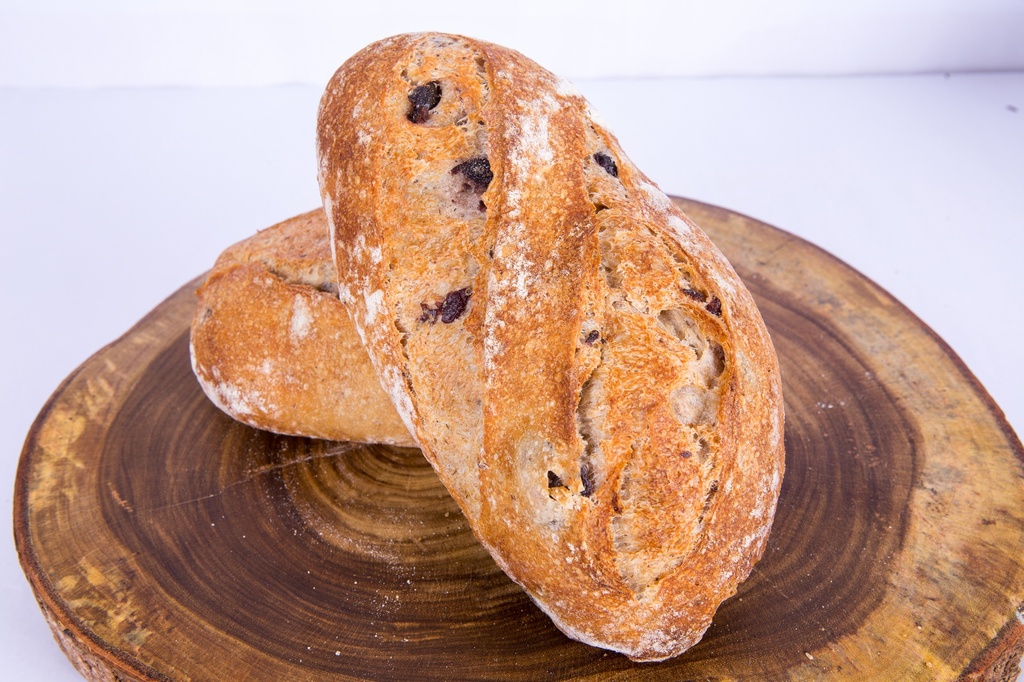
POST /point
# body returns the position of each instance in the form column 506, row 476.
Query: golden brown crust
column 273, row 347
column 583, row 368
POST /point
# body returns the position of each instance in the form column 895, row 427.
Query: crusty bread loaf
column 582, row 367
column 273, row 347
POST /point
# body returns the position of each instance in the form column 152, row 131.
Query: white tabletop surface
column 112, row 199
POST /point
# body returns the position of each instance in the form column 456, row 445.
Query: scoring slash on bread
column 582, row 367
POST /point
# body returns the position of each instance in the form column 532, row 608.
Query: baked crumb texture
column 579, row 363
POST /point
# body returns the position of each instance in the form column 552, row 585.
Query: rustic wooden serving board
column 165, row 541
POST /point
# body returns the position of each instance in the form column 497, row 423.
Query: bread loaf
column 583, row 368
column 273, row 347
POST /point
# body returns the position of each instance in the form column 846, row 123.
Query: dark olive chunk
column 477, row 171
column 454, row 305
column 554, row 480
column 423, row 98
column 587, row 478
column 696, row 295
column 608, row 163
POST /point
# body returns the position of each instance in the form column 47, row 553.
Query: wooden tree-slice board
column 165, row 541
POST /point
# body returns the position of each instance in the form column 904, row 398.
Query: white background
column 137, row 140
column 245, row 42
